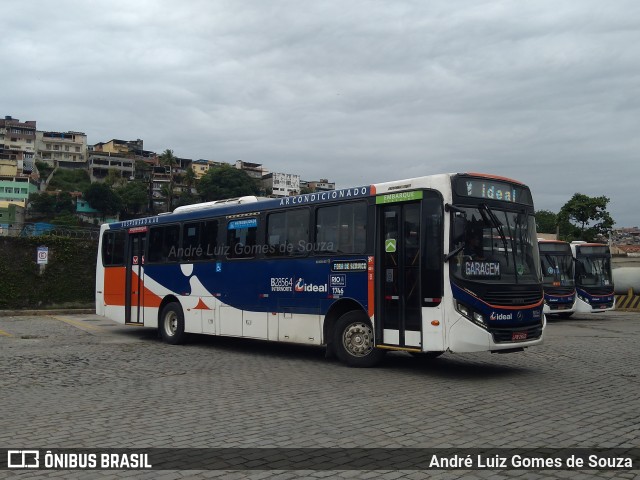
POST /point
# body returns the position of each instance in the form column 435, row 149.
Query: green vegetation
column 44, row 169
column 584, row 218
column 69, row 278
column 581, row 218
column 50, row 204
column 134, row 196
column 102, row 197
column 546, row 221
column 69, row 180
column 226, row 182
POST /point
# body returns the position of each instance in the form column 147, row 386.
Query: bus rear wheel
column 354, row 341
column 172, row 324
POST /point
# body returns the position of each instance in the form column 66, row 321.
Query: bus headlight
column 463, row 310
column 584, row 299
column 478, row 318
column 470, row 314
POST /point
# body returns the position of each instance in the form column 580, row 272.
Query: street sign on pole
column 43, row 255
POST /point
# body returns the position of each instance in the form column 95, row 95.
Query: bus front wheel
column 354, row 342
column 172, row 324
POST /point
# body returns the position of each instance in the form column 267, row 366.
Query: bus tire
column 565, row 314
column 353, row 341
column 172, row 324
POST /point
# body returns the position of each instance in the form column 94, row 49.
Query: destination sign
column 593, row 249
column 482, row 269
column 490, row 189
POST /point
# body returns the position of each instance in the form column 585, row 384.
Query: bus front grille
column 515, row 296
column 559, row 290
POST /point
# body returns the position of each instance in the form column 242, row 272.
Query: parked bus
column 594, row 279
column 557, row 277
column 360, row 270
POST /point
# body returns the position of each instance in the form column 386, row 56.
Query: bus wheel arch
column 354, row 340
column 336, row 310
column 171, row 321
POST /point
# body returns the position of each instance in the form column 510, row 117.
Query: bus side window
column 241, row 238
column 190, row 240
column 164, row 244
column 113, row 248
column 288, row 233
column 342, row 228
column 209, row 239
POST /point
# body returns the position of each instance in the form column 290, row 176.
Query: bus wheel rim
column 358, row 339
column 171, row 323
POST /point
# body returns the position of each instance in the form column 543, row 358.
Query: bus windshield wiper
column 497, row 225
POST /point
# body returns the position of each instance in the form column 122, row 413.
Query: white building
column 282, row 184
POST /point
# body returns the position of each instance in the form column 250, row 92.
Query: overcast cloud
column 546, row 92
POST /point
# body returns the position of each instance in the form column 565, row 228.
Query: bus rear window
column 113, row 248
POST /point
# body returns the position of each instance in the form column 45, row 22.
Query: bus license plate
column 518, row 336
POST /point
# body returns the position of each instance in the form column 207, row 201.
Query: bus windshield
column 492, row 245
column 557, row 267
column 593, row 270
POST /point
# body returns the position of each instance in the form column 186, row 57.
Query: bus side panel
column 433, row 335
column 300, row 328
column 114, row 282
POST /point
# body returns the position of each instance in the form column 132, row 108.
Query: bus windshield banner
column 239, row 224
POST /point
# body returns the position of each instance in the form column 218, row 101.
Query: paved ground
column 84, row 382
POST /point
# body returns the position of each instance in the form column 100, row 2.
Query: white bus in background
column 593, row 276
column 558, row 281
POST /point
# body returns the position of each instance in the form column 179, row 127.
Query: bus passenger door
column 399, row 313
column 134, row 287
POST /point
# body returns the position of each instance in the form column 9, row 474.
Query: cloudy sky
column 546, row 92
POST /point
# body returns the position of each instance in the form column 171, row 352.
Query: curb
column 61, row 311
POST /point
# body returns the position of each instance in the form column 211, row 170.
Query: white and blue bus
column 558, row 281
column 390, row 266
column 594, row 278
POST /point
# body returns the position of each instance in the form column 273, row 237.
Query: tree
column 50, row 204
column 546, row 221
column 584, row 218
column 114, row 179
column 189, row 178
column 169, row 160
column 103, row 198
column 43, row 203
column 134, row 197
column 226, row 182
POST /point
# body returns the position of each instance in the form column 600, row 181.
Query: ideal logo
column 501, row 316
column 301, row 286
